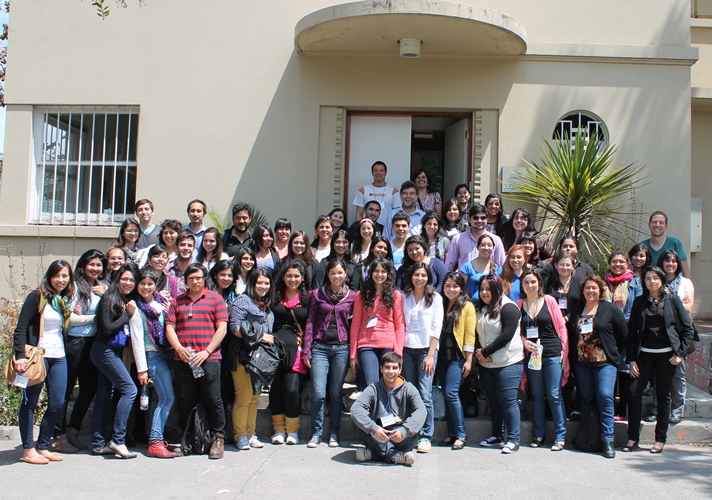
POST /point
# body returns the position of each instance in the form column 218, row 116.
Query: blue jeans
column 369, row 362
column 329, row 364
column 159, row 369
column 450, row 377
column 599, row 382
column 112, row 372
column 501, row 386
column 413, row 372
column 56, row 387
column 547, row 382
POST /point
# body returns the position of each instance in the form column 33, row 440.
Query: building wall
column 225, row 99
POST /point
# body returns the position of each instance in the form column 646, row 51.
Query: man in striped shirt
column 196, row 324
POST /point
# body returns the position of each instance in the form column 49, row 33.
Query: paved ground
column 297, row 472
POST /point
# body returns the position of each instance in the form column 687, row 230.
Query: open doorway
column 440, row 143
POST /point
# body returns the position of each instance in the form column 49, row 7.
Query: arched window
column 568, row 126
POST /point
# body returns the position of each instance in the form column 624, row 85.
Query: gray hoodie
column 405, row 402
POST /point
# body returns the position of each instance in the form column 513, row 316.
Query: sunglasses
column 479, row 217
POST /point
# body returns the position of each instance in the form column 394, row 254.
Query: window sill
column 48, row 231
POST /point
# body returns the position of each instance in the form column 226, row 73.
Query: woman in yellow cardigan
column 457, row 345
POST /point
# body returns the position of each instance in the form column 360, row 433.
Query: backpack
column 196, row 437
column 588, row 435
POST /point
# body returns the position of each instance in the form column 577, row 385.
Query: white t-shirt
column 322, row 253
column 53, row 338
column 388, row 196
column 685, row 287
column 421, row 322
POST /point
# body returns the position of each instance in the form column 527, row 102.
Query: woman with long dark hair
column 157, row 259
column 640, row 258
column 598, row 332
column 363, row 240
column 457, row 347
column 528, row 241
column 521, row 221
column 282, row 230
column 481, row 265
column 154, row 357
column 380, row 249
column 262, row 244
column 500, row 352
column 243, row 262
column 326, row 349
column 512, row 272
column 290, row 315
column 43, row 321
column 543, row 332
column 338, row 220
column 435, row 237
column 423, row 313
column 452, row 218
column 378, row 325
column 254, row 306
column 129, row 234
column 428, row 199
column 115, row 310
column 660, row 334
column 416, row 251
column 300, row 249
column 495, row 214
column 339, row 250
column 222, row 280
column 324, row 230
column 89, row 288
column 210, row 250
column 568, row 244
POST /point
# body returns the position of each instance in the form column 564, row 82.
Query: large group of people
column 416, row 292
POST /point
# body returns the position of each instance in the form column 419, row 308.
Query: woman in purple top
column 326, row 348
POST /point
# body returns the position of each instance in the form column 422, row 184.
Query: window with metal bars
column 85, row 161
column 568, row 126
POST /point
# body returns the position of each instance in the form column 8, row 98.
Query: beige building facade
column 286, row 104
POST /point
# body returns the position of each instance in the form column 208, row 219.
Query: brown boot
column 217, row 450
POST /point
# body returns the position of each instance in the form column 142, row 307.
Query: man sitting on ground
column 389, row 415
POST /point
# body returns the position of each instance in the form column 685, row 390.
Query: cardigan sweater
column 389, row 331
column 464, row 329
column 608, row 324
column 678, row 326
column 319, row 317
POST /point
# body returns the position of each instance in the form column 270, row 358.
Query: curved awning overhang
column 374, row 28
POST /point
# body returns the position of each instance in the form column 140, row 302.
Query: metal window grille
column 85, row 165
column 569, row 126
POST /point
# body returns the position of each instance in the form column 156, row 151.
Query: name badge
column 21, row 381
column 563, row 303
column 372, row 322
column 532, row 332
column 388, row 420
column 587, row 328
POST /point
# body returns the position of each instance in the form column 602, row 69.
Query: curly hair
column 368, row 290
column 281, row 286
column 602, row 287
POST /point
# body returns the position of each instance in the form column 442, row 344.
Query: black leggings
column 285, row 394
column 79, row 366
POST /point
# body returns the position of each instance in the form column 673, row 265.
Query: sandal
column 558, row 446
column 448, row 441
column 120, row 451
column 536, row 443
column 459, row 444
column 631, row 446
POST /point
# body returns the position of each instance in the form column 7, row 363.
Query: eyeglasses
column 129, row 281
column 479, row 217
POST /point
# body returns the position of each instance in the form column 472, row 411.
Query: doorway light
column 410, row 47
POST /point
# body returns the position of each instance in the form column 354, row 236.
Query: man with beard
column 239, row 235
column 463, row 246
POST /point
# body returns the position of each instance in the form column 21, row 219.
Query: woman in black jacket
column 660, row 333
column 116, row 308
column 44, row 319
column 598, row 332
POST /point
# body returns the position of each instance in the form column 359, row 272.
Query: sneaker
column 363, row 454
column 243, row 443
column 255, row 442
column 492, row 442
column 510, row 448
column 314, row 441
column 423, row 445
column 279, row 438
column 333, row 441
column 292, row 438
column 354, row 395
column 407, row 458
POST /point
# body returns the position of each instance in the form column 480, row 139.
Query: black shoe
column 608, row 450
column 650, row 418
column 675, row 420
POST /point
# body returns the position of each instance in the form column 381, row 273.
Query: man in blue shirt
column 658, row 242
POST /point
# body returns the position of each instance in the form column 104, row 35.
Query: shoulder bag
column 36, row 370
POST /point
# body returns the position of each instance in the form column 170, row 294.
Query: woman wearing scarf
column 153, row 355
column 326, row 349
column 624, row 287
column 43, row 321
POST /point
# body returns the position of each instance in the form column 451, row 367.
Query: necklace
column 376, row 194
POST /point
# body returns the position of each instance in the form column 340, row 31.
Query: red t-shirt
column 195, row 322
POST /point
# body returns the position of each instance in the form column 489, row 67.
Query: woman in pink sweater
column 378, row 325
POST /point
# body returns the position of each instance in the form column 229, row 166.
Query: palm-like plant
column 223, row 220
column 580, row 192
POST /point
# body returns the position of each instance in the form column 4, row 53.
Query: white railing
column 85, row 165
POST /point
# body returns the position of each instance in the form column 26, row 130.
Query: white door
column 377, row 138
column 455, row 164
